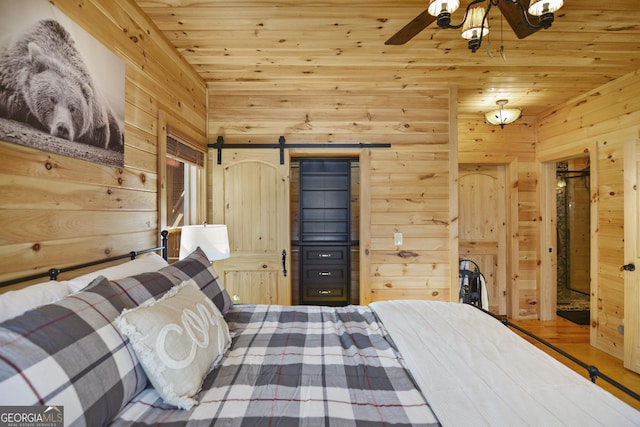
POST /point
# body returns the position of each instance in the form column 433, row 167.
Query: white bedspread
column 474, row 371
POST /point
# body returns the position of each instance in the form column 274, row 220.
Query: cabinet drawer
column 325, row 275
column 326, row 294
column 329, row 255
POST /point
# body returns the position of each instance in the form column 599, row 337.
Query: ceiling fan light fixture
column 473, row 24
column 540, row 7
column 442, row 10
column 502, row 116
column 473, row 28
column 524, row 16
column 544, row 10
column 436, row 7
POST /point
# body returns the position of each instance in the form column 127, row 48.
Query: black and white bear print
column 45, row 83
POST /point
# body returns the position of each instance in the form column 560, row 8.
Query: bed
column 93, row 352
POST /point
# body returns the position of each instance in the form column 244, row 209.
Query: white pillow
column 141, row 264
column 15, row 303
column 178, row 339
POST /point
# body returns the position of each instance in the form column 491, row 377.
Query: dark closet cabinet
column 325, row 234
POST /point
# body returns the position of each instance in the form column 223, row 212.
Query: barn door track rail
column 282, row 144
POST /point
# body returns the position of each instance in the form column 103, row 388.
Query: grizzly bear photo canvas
column 60, row 89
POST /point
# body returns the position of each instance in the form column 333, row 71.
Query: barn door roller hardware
column 282, row 144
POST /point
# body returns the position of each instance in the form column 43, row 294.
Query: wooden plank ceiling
column 277, row 45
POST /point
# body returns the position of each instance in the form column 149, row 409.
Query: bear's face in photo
column 57, row 101
column 57, row 107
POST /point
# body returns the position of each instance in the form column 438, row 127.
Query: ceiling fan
column 524, row 16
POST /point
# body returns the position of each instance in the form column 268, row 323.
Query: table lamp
column 212, row 239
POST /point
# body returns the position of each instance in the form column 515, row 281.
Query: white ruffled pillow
column 142, row 264
column 15, row 303
column 178, row 339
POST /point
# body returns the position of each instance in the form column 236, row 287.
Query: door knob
column 629, row 267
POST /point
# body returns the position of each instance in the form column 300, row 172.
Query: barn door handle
column 629, row 267
column 284, row 262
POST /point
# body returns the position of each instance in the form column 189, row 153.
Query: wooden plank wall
column 406, row 188
column 59, row 211
column 515, row 146
column 603, row 119
column 410, row 195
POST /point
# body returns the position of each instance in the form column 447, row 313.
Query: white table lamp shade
column 212, row 239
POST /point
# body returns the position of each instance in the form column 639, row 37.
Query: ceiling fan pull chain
column 501, row 50
column 489, row 53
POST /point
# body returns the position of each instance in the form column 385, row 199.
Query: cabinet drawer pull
column 325, row 273
column 324, row 292
column 324, row 255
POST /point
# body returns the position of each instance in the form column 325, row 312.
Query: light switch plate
column 397, row 239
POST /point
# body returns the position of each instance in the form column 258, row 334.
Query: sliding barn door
column 482, row 227
column 632, row 257
column 251, row 196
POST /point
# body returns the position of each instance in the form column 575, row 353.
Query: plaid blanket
column 298, row 366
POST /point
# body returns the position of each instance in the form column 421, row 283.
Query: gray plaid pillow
column 71, row 354
column 141, row 287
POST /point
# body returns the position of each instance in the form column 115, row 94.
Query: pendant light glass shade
column 540, row 7
column 561, row 182
column 502, row 116
column 473, row 24
column 438, row 6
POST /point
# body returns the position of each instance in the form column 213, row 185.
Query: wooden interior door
column 482, row 227
column 251, row 196
column 632, row 256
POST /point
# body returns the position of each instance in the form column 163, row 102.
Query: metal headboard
column 53, row 273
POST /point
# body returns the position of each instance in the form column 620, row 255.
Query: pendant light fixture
column 502, row 116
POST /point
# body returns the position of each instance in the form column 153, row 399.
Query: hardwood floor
column 574, row 339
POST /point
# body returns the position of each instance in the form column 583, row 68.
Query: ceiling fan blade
column 514, row 17
column 410, row 30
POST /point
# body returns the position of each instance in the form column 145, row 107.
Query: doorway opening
column 483, row 227
column 573, row 216
column 325, row 224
